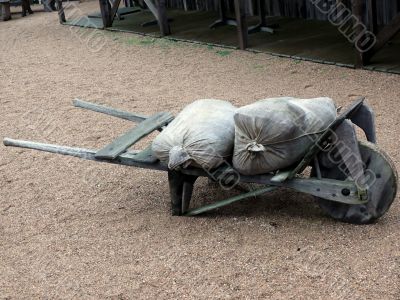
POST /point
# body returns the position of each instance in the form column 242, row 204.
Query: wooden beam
column 241, row 21
column 60, row 9
column 109, row 111
column 123, row 142
column 114, row 9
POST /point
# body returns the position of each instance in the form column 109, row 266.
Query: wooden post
column 262, row 12
column 162, row 17
column 357, row 10
column 222, row 10
column 372, row 16
column 105, row 8
column 5, row 11
column 60, row 9
column 241, row 21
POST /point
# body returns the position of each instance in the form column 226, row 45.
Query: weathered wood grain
column 109, row 111
column 128, row 139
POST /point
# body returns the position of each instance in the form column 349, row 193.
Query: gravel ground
column 78, row 229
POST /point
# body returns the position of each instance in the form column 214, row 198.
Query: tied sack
column 201, row 135
column 275, row 133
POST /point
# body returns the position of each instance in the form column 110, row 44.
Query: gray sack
column 201, row 135
column 275, row 133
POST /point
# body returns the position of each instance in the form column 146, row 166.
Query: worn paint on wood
column 126, row 140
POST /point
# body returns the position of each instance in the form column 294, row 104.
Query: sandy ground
column 78, row 229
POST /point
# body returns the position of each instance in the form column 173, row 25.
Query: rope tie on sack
column 178, row 157
column 255, row 147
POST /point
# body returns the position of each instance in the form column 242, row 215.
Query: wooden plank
column 126, row 140
column 109, row 111
column 126, row 159
column 241, row 22
column 229, row 201
column 327, row 189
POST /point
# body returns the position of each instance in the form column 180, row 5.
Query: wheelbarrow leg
column 181, row 188
column 187, row 192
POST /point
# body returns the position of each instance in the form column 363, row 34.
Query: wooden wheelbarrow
column 353, row 181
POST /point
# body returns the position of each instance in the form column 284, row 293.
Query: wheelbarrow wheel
column 381, row 192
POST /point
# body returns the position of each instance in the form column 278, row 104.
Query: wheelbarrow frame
column 181, row 181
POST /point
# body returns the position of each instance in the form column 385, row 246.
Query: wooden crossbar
column 122, row 143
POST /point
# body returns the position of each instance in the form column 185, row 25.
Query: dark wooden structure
column 5, row 5
column 368, row 24
column 5, row 10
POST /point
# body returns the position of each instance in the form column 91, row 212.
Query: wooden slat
column 229, row 201
column 109, row 111
column 126, row 140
